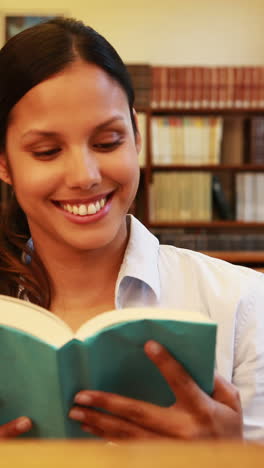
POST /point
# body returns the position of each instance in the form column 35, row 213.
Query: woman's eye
column 108, row 145
column 46, row 152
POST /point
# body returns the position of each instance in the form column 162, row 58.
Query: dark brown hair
column 27, row 59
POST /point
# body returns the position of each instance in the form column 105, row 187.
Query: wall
column 167, row 31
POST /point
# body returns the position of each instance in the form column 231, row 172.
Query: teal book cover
column 40, row 379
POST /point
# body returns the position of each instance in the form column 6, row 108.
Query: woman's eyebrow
column 38, row 132
column 109, row 122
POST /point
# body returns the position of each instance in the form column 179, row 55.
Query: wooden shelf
column 240, row 257
column 209, row 167
column 207, row 224
column 244, row 112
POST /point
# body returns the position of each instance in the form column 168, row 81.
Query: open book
column 43, row 364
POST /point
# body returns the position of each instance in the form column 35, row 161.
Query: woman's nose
column 82, row 170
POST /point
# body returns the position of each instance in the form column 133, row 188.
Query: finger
column 145, row 415
column 226, row 393
column 15, row 428
column 181, row 383
column 108, row 426
column 162, row 421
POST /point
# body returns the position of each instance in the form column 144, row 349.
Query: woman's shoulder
column 175, row 262
column 206, row 266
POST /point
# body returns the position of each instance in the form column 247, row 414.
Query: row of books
column 210, row 241
column 250, row 197
column 203, row 140
column 186, row 140
column 198, row 196
column 207, row 87
column 180, row 196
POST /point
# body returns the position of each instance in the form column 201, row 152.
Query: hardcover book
column 43, row 364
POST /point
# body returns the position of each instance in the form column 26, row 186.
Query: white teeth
column 91, row 209
column 83, row 210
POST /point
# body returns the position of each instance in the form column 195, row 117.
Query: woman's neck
column 83, row 279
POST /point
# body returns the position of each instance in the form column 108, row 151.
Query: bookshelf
column 238, row 106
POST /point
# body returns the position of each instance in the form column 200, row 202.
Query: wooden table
column 79, row 454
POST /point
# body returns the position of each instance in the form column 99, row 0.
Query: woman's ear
column 138, row 135
column 4, row 170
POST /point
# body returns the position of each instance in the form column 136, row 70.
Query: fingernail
column 154, row 347
column 83, row 399
column 23, row 424
column 77, row 414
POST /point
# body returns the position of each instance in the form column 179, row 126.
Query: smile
column 84, row 209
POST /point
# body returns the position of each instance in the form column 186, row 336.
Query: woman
column 69, row 146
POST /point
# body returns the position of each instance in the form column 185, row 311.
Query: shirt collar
column 141, row 257
column 140, row 260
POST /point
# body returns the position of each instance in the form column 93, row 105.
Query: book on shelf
column 180, row 196
column 43, row 363
column 249, row 197
column 221, row 203
column 196, row 85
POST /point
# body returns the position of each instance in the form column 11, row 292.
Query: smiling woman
column 69, row 148
column 65, row 172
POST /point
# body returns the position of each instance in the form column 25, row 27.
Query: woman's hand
column 15, row 428
column 194, row 415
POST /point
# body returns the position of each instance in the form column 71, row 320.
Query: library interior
column 197, row 68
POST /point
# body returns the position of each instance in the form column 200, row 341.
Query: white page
column 46, row 326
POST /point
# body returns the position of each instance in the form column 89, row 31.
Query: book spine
column 180, row 90
column 238, row 87
column 230, row 87
column 164, row 87
column 220, row 200
column 187, row 91
column 240, row 197
column 222, row 79
column 172, row 88
column 206, row 85
column 155, row 88
column 254, row 88
column 214, row 88
column 197, row 87
column 247, row 78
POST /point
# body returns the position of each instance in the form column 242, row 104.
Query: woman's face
column 72, row 158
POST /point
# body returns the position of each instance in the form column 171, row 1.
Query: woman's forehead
column 84, row 89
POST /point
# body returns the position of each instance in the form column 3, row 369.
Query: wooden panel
column 66, row 454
